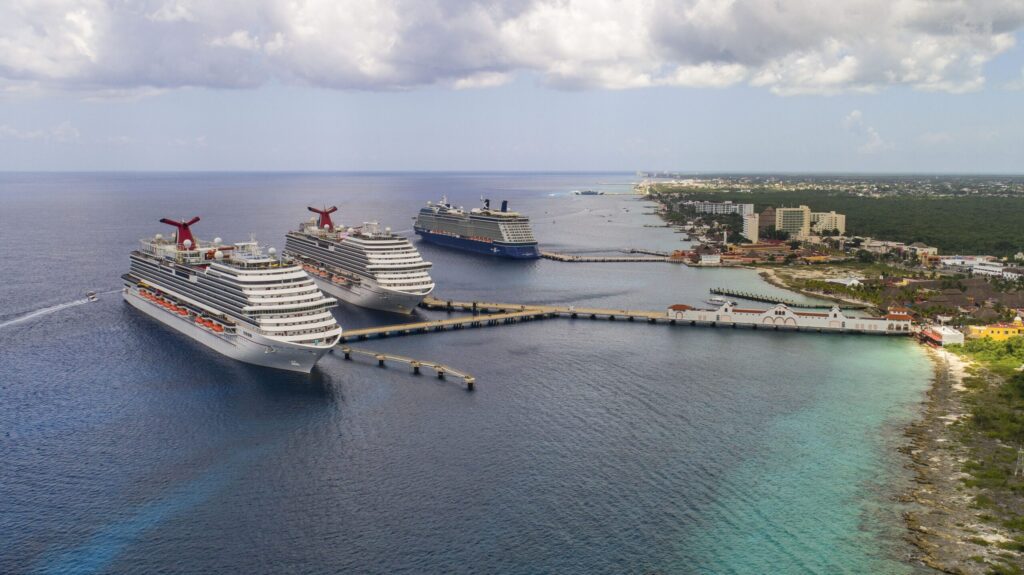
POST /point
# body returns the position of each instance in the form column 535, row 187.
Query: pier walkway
column 773, row 299
column 486, row 314
column 630, row 258
column 440, row 369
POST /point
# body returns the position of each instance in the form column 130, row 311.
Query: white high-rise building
column 827, row 221
column 751, row 225
column 722, row 208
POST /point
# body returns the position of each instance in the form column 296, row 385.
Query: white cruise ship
column 367, row 266
column 246, row 304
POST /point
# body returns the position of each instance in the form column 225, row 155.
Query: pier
column 773, row 299
column 440, row 370
column 778, row 318
column 558, row 257
column 658, row 253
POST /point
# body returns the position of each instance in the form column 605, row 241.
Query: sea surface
column 588, row 446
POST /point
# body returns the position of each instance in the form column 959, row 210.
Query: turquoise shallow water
column 817, row 494
column 589, row 447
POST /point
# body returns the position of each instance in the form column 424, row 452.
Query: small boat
column 716, row 300
column 91, row 296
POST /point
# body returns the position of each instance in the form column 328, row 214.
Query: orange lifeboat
column 218, row 328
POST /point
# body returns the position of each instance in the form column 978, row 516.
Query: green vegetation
column 1001, row 357
column 966, row 225
column 996, row 405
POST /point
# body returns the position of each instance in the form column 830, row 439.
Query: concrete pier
column 773, row 299
column 609, row 259
column 439, row 368
column 487, row 314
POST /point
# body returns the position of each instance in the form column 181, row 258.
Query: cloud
column 62, row 133
column 935, row 138
column 871, row 140
column 196, row 142
column 482, row 80
column 786, row 46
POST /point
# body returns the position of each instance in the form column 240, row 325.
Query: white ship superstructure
column 368, row 265
column 238, row 299
column 482, row 230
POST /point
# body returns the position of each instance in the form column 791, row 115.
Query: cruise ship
column 481, row 230
column 239, row 300
column 366, row 266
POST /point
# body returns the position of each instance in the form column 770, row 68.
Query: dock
column 559, row 257
column 764, row 298
column 488, row 314
column 660, row 254
column 440, row 370
column 485, row 314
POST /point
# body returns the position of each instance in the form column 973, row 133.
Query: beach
column 949, row 531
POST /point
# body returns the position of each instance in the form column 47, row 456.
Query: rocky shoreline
column 948, row 530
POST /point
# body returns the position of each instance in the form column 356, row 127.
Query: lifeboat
column 218, row 328
column 182, row 311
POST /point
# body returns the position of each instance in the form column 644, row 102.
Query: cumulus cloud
column 62, row 133
column 786, row 46
column 196, row 142
column 871, row 140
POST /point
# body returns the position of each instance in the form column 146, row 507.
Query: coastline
column 944, row 524
column 947, row 529
column 769, row 276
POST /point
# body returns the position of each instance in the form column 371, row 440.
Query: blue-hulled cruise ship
column 481, row 230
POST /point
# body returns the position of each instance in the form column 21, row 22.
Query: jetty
column 559, row 257
column 776, row 300
column 660, row 254
column 777, row 318
column 440, row 369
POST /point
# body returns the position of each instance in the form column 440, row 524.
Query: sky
column 519, row 85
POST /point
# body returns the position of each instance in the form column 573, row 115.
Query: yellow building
column 997, row 331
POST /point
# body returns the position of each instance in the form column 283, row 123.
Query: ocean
column 587, row 447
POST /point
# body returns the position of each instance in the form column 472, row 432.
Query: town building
column 963, row 261
column 707, row 256
column 828, row 221
column 795, row 221
column 722, row 208
column 751, row 227
column 849, row 282
column 922, row 251
column 766, row 220
column 942, row 335
column 1013, row 274
column 987, row 268
column 881, row 246
column 997, row 331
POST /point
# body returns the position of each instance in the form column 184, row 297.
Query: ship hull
column 518, row 252
column 370, row 295
column 257, row 351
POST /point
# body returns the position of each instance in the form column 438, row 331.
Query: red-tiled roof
column 679, row 307
column 749, row 310
column 899, row 316
column 811, row 314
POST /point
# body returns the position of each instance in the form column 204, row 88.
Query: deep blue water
column 588, row 447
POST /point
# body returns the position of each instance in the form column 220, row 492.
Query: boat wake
column 48, row 310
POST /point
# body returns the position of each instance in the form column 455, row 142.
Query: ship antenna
column 184, row 233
